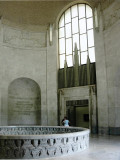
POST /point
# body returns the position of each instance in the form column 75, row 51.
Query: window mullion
column 65, row 36
column 86, row 30
column 79, row 36
column 71, row 35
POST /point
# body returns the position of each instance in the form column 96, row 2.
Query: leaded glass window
column 76, row 26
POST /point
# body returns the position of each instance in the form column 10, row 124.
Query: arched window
column 76, row 26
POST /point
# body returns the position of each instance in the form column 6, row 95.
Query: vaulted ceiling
column 35, row 12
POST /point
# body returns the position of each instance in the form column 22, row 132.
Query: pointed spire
column 76, row 57
column 76, row 66
column 65, row 73
column 75, row 48
column 88, row 70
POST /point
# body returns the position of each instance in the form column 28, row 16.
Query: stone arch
column 91, row 4
column 24, row 102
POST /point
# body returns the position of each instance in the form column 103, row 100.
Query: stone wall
column 25, row 53
column 107, row 69
column 112, row 44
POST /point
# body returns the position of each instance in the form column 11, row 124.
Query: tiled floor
column 101, row 148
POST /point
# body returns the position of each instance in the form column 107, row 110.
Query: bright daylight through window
column 76, row 26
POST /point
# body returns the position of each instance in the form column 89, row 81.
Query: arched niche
column 24, row 102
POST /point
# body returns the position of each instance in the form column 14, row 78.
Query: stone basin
column 35, row 142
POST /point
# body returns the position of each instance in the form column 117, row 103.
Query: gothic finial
column 75, row 48
column 65, row 64
column 76, row 66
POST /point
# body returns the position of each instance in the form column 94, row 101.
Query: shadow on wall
column 24, row 102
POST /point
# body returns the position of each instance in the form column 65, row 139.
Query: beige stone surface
column 25, row 52
column 34, row 12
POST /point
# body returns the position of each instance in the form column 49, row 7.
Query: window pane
column 76, row 40
column 92, row 54
column 74, row 11
column 61, row 22
column 68, row 46
column 83, row 42
column 88, row 11
column 89, row 23
column 82, row 24
column 75, row 25
column 68, row 30
column 81, row 10
column 69, row 60
column 84, row 58
column 62, row 59
column 61, row 45
column 61, row 32
column 90, row 38
column 67, row 16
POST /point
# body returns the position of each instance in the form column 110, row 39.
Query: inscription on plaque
column 25, row 107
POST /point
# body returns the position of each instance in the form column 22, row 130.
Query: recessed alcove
column 24, row 102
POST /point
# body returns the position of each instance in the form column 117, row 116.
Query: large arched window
column 76, row 26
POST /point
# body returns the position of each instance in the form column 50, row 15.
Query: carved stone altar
column 34, row 142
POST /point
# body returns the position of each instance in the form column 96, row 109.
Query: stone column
column 51, row 84
column 101, row 75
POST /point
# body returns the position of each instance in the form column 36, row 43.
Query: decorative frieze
column 64, row 141
column 23, row 38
